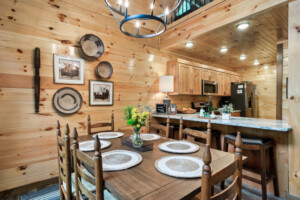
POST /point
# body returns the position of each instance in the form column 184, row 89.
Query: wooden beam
column 279, row 81
column 294, row 96
column 224, row 13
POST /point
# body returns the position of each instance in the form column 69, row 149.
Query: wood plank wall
column 285, row 102
column 265, row 79
column 27, row 140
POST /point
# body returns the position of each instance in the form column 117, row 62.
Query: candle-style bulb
column 137, row 24
column 120, row 2
column 126, row 4
column 151, row 6
column 166, row 11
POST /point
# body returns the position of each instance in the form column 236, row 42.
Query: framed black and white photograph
column 68, row 70
column 101, row 93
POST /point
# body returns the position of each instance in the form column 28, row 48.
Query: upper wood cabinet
column 220, row 79
column 209, row 75
column 184, row 86
column 188, row 78
column 227, row 85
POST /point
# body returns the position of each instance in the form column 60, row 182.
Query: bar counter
column 266, row 124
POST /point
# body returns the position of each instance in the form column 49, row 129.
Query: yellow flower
column 145, row 114
column 134, row 111
column 138, row 125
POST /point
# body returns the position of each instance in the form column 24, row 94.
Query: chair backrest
column 234, row 168
column 64, row 162
column 90, row 126
column 193, row 134
column 83, row 164
column 159, row 127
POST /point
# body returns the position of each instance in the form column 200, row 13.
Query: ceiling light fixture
column 243, row 25
column 243, row 57
column 223, row 49
column 256, row 62
column 189, row 44
column 266, row 67
column 121, row 9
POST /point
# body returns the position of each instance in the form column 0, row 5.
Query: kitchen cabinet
column 227, row 85
column 220, row 79
column 184, row 79
column 196, row 83
column 188, row 78
column 209, row 75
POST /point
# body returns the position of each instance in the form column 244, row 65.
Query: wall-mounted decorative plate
column 104, row 70
column 91, row 46
column 67, row 100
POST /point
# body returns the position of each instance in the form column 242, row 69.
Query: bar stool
column 201, row 133
column 261, row 145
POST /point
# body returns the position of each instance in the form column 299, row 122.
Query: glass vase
column 137, row 140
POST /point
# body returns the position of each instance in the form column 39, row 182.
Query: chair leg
column 273, row 161
column 218, row 142
column 263, row 173
column 225, row 148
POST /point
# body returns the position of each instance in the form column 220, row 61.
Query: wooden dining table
column 145, row 182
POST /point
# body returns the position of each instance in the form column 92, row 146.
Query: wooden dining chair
column 64, row 163
column 209, row 179
column 159, row 127
column 200, row 133
column 91, row 126
column 89, row 170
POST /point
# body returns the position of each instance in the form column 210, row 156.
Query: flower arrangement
column 226, row 109
column 135, row 118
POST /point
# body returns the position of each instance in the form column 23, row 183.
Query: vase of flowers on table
column 137, row 120
column 226, row 111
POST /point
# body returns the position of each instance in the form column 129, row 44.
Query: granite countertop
column 266, row 124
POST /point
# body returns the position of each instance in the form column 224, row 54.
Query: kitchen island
column 258, row 123
column 277, row 130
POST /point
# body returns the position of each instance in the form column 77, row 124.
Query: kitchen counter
column 266, row 124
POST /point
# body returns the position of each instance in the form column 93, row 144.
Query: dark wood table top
column 145, row 182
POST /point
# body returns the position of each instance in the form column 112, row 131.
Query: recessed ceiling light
column 243, row 57
column 266, row 67
column 223, row 49
column 243, row 25
column 256, row 62
column 189, row 44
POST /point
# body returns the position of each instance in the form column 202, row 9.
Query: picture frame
column 68, row 70
column 101, row 93
column 161, row 108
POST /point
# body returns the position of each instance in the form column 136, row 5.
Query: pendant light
column 123, row 11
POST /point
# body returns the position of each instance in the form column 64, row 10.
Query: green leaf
column 130, row 122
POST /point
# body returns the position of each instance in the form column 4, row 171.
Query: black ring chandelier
column 161, row 18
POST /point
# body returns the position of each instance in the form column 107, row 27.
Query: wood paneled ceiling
column 258, row 41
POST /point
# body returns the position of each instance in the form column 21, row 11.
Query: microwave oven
column 209, row 87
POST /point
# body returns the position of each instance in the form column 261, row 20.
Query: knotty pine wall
column 27, row 140
column 265, row 80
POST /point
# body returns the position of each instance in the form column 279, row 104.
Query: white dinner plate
column 180, row 166
column 117, row 160
column 89, row 145
column 179, row 147
column 148, row 136
column 108, row 135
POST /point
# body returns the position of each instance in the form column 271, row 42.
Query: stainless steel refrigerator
column 244, row 98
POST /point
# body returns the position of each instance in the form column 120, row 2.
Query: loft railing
column 186, row 7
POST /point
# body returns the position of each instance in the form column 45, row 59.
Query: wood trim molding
column 294, row 96
column 221, row 14
column 279, row 81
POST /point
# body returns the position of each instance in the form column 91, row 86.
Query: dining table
column 143, row 181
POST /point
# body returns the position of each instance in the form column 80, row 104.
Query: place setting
column 108, row 135
column 148, row 136
column 179, row 147
column 89, row 145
